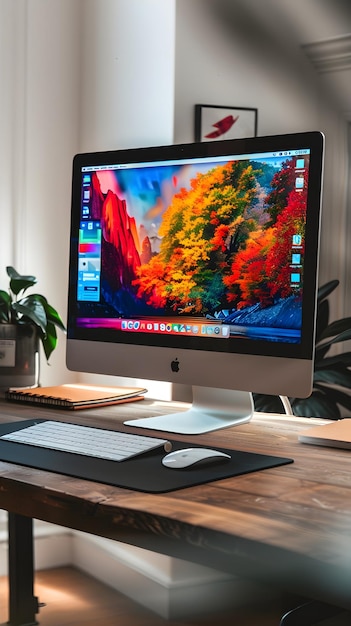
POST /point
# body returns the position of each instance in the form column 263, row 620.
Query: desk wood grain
column 290, row 524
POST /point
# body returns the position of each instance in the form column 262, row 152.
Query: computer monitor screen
column 197, row 264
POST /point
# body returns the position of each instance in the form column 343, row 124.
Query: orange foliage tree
column 246, row 281
column 268, row 251
column 200, row 231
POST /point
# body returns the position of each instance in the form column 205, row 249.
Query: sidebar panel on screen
column 89, row 261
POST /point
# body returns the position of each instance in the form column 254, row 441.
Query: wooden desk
column 289, row 525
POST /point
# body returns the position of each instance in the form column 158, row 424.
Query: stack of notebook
column 76, row 396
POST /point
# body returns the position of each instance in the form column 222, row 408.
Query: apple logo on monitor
column 175, row 365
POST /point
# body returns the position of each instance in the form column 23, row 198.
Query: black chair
column 309, row 614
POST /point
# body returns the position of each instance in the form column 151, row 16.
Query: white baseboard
column 170, row 587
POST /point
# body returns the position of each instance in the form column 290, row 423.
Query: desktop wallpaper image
column 214, row 244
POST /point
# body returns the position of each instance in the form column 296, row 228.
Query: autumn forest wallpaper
column 214, row 243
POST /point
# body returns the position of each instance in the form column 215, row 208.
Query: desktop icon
column 295, row 277
column 296, row 259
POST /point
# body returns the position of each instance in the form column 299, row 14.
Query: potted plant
column 25, row 321
column 332, row 374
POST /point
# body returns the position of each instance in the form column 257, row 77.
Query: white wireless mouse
column 180, row 459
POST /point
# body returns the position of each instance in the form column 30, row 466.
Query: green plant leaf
column 54, row 317
column 322, row 318
column 5, row 307
column 32, row 311
column 325, row 290
column 267, row 403
column 320, row 352
column 18, row 282
column 337, row 327
column 336, row 376
column 337, row 396
column 51, row 313
column 5, row 297
column 343, row 359
column 344, row 336
column 49, row 340
column 317, row 405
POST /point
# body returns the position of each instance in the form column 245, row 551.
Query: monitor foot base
column 212, row 409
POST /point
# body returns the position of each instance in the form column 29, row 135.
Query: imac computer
column 197, row 264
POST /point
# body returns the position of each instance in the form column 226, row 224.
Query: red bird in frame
column 222, row 126
column 215, row 123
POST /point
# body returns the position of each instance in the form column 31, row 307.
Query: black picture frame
column 216, row 122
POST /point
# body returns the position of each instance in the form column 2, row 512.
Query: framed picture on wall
column 214, row 122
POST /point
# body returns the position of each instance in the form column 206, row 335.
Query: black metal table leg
column 23, row 605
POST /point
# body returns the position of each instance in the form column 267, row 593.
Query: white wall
column 51, row 139
column 226, row 55
column 40, row 55
column 8, row 79
column 127, row 89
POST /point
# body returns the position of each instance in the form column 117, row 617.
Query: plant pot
column 19, row 356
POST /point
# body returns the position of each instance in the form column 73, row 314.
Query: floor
column 74, row 599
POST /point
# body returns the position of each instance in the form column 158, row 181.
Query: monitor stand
column 211, row 409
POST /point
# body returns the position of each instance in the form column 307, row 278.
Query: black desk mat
column 144, row 473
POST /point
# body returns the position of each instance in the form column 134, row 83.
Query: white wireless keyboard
column 92, row 442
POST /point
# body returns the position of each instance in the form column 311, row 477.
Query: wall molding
column 171, row 588
column 330, row 55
